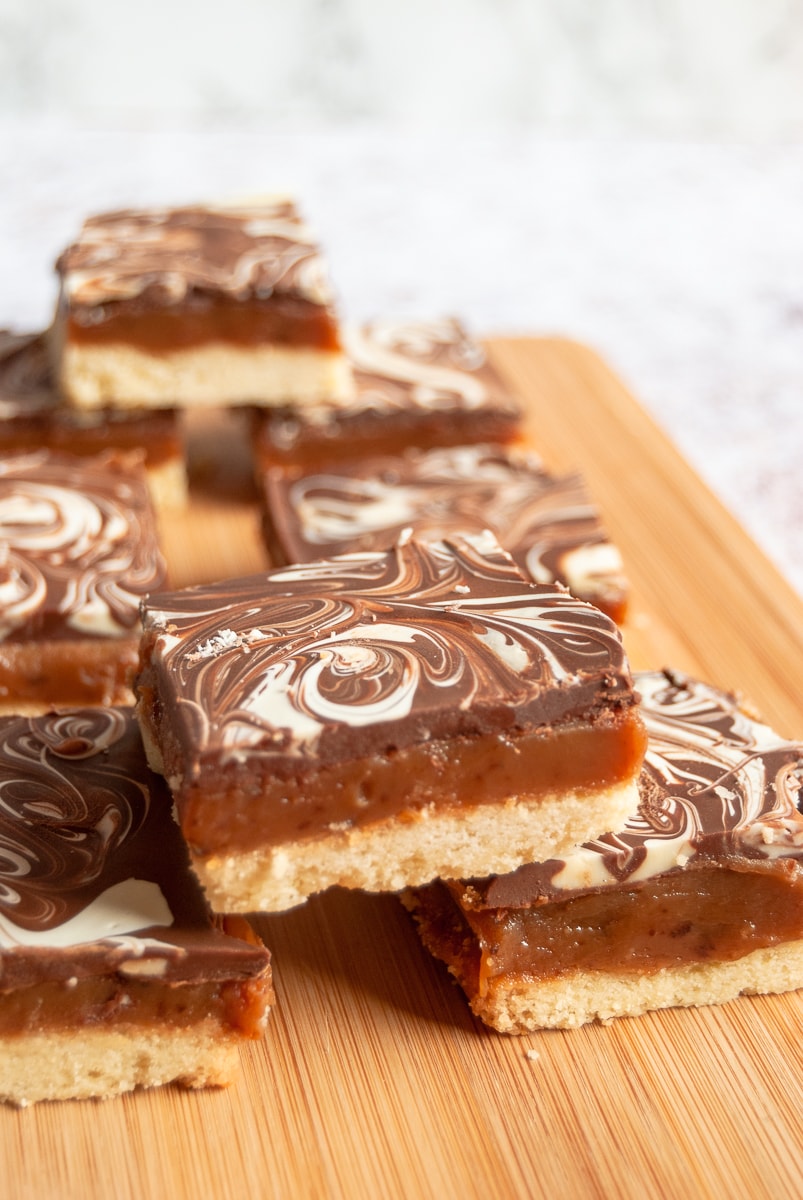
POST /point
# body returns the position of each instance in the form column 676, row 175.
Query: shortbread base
column 80, row 1064
column 214, row 375
column 522, row 1006
column 168, row 485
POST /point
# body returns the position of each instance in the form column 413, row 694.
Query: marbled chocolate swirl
column 409, row 369
column 94, row 875
column 78, row 547
column 354, row 654
column 547, row 523
column 58, row 839
column 716, row 783
column 241, row 251
column 428, row 366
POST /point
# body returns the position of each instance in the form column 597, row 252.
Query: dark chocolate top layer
column 78, row 545
column 94, row 874
column 346, row 657
column 547, row 523
column 404, row 368
column 716, row 784
column 25, row 381
column 159, row 256
column 430, row 365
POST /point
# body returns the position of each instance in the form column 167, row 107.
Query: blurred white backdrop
column 625, row 172
column 710, row 68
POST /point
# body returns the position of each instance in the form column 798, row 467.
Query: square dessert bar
column 697, row 899
column 548, row 523
column 380, row 718
column 197, row 306
column 114, row 974
column 78, row 552
column 416, row 383
column 33, row 416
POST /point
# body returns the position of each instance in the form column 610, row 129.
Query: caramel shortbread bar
column 696, row 900
column 33, row 416
column 114, row 974
column 381, row 718
column 416, row 383
column 197, row 306
column 78, row 552
column 548, row 523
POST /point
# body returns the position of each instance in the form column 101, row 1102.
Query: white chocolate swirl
column 379, row 648
column 238, row 250
column 548, row 523
column 94, row 875
column 716, row 784
column 436, row 363
column 57, row 835
column 80, row 544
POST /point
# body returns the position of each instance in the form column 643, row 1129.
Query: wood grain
column 374, row 1080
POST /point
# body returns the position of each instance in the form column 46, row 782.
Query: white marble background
column 622, row 172
column 711, row 68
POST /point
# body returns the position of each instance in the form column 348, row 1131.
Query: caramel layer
column 111, row 1001
column 68, row 671
column 157, row 438
column 237, row 807
column 281, row 440
column 708, row 914
column 202, row 318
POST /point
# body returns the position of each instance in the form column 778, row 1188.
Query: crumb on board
column 532, row 1055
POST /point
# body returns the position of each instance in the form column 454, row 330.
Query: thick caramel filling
column 201, row 319
column 72, row 671
column 238, row 1006
column 372, row 435
column 241, row 807
column 708, row 914
column 159, row 440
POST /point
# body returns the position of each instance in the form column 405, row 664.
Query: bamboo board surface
column 374, row 1080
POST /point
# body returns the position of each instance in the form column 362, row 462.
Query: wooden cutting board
column 374, row 1080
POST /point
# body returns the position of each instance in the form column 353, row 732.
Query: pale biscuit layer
column 215, row 375
column 167, row 484
column 577, row 997
column 78, row 1064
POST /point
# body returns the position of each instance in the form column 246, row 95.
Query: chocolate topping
column 716, row 784
column 25, row 380
column 94, row 875
column 78, row 547
column 411, row 369
column 160, row 257
column 548, row 524
column 346, row 657
column 422, row 364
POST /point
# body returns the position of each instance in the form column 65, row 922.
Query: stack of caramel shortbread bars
column 427, row 693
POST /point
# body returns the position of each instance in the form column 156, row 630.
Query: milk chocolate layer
column 548, row 523
column 416, row 383
column 168, row 279
column 716, row 785
column 340, row 659
column 94, row 876
column 78, row 546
